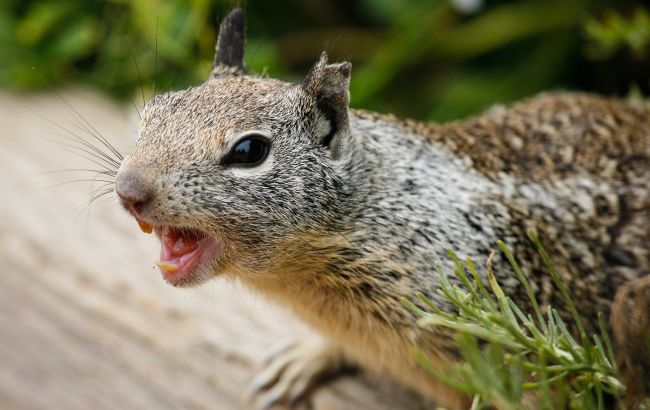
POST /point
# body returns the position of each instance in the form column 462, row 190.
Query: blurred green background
column 434, row 60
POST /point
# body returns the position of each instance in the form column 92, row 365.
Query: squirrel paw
column 291, row 370
column 630, row 320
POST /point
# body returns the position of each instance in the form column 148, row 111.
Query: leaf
column 75, row 40
column 518, row 353
column 41, row 19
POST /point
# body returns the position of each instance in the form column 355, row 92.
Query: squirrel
column 338, row 213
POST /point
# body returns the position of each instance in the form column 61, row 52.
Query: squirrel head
column 245, row 163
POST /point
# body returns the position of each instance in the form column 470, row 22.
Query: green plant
column 124, row 46
column 522, row 360
column 615, row 32
column 422, row 59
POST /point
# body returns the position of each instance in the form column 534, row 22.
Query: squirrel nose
column 134, row 190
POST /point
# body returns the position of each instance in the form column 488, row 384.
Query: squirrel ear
column 229, row 56
column 328, row 84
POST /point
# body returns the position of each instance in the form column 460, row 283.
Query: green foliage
column 615, row 32
column 422, row 58
column 118, row 45
column 523, row 360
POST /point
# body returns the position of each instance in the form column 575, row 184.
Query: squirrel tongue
column 179, row 250
column 185, row 245
column 175, row 244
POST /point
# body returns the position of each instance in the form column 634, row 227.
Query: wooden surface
column 86, row 322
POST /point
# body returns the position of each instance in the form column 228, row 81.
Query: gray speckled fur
column 341, row 232
column 423, row 194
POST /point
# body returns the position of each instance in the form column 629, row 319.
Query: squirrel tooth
column 167, row 266
column 146, row 227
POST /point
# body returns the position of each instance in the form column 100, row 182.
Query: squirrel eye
column 250, row 151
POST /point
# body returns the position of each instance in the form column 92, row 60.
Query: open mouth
column 185, row 253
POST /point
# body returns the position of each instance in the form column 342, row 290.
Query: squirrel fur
column 352, row 210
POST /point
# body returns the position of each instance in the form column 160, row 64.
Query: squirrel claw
column 292, row 370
